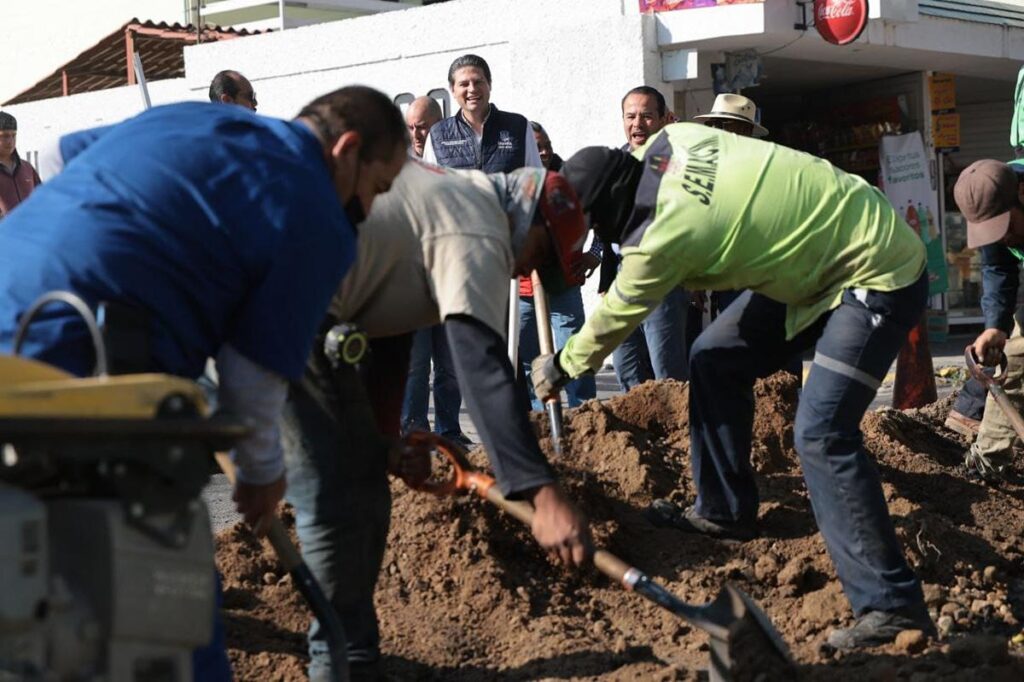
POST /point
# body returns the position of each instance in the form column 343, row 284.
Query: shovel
column 994, row 384
column 744, row 644
column 553, row 405
column 304, row 582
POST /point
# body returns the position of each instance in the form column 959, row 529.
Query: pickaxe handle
column 304, row 581
column 552, row 405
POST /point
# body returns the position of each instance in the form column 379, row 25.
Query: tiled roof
column 108, row 64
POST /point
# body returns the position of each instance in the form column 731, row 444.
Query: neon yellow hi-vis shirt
column 719, row 211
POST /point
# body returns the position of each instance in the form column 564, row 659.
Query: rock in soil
column 471, row 598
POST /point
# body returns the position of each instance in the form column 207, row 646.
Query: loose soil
column 464, row 594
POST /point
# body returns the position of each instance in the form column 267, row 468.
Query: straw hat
column 737, row 108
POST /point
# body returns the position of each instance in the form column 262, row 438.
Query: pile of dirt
column 464, row 593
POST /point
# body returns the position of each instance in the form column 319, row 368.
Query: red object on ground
column 915, row 375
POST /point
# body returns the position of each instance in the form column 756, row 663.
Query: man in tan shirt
column 440, row 247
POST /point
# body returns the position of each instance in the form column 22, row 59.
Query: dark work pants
column 855, row 345
column 337, row 482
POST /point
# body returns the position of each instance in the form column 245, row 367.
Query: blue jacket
column 238, row 239
column 502, row 149
column 1000, row 277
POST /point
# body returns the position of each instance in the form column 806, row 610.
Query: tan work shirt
column 437, row 244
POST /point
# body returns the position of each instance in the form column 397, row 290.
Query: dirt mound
column 465, row 595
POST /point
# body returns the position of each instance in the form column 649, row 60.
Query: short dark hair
column 8, row 122
column 648, row 91
column 225, row 83
column 537, row 128
column 469, row 60
column 364, row 110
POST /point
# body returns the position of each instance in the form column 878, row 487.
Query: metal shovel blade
column 745, row 646
column 751, row 648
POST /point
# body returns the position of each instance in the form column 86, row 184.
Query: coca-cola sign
column 840, row 21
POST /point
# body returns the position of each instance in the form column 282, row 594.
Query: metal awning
column 975, row 10
column 108, row 63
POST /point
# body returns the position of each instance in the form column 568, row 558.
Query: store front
column 947, row 81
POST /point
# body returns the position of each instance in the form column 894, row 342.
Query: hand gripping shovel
column 305, row 583
column 553, row 405
column 744, row 644
column 994, row 384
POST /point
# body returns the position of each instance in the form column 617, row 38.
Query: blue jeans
column 657, row 348
column 337, row 481
column 430, row 344
column 210, row 662
column 855, row 345
column 567, row 318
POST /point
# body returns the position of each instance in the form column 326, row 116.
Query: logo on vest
column 453, row 143
column 505, row 141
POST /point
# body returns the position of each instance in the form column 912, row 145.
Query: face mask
column 354, row 210
column 354, row 206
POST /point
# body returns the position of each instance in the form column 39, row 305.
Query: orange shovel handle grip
column 464, row 477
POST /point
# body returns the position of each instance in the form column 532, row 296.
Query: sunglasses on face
column 728, row 125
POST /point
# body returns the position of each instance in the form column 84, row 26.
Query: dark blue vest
column 502, row 149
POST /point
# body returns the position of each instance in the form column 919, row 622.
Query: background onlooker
column 17, row 177
column 735, row 114
column 420, row 117
column 231, row 87
column 479, row 135
column 657, row 348
column 566, row 307
column 429, row 344
column 548, row 157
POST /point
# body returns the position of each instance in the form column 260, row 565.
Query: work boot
column 367, row 671
column 875, row 628
column 977, row 466
column 663, row 513
column 962, row 424
column 460, row 438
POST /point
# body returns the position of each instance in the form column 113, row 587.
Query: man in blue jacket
column 224, row 232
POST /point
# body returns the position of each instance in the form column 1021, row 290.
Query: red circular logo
column 840, row 21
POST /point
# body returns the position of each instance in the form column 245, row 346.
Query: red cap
column 563, row 216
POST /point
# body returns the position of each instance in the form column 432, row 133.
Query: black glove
column 548, row 376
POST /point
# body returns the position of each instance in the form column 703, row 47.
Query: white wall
column 45, row 34
column 42, row 122
column 566, row 64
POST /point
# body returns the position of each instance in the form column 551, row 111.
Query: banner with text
column 906, row 180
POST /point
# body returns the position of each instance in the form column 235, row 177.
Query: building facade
column 568, row 64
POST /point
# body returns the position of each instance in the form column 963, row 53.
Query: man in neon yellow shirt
column 828, row 264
